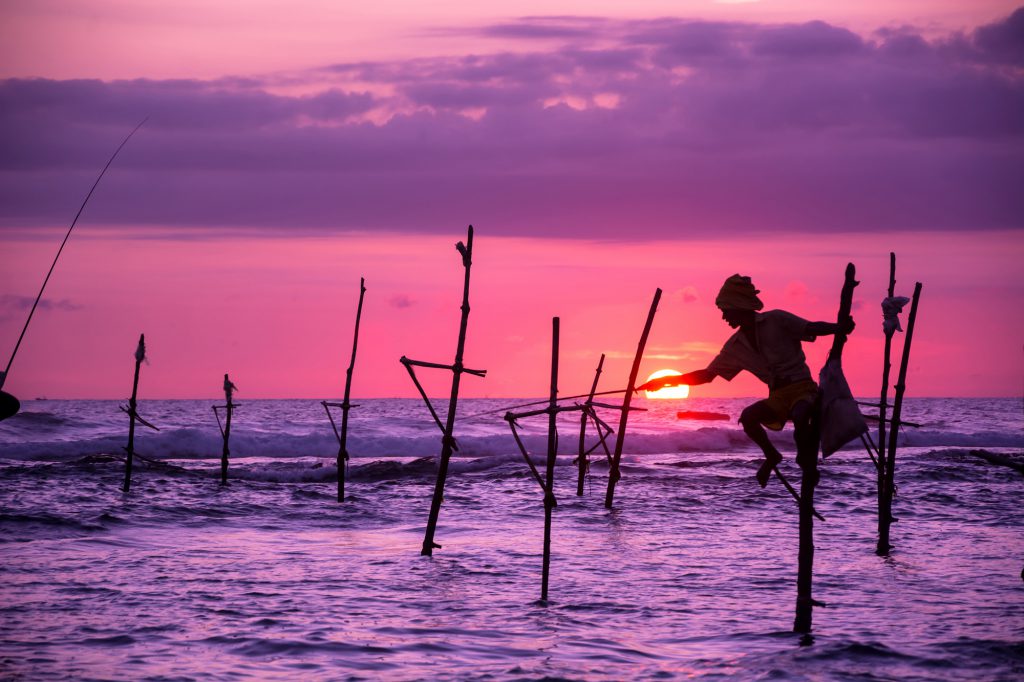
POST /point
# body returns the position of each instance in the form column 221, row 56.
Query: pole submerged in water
column 229, row 407
column 889, row 485
column 448, row 444
column 807, row 457
column 582, row 461
column 346, row 403
column 549, row 478
column 613, row 471
column 140, row 355
column 883, row 518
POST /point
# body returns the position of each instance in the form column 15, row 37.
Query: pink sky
column 599, row 153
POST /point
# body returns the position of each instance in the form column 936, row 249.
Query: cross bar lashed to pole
column 448, row 444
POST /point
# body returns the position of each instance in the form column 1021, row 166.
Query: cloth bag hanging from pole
column 841, row 420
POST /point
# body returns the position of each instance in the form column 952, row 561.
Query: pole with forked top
column 448, row 444
column 133, row 414
column 140, row 355
column 346, row 404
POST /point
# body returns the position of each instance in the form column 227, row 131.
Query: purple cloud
column 681, row 127
column 401, row 301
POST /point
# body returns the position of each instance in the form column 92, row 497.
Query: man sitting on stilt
column 768, row 346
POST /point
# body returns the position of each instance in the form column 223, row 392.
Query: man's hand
column 701, row 376
column 847, row 325
column 659, row 383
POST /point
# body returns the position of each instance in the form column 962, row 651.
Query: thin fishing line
column 54, row 264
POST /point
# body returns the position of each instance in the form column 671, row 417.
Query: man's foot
column 765, row 472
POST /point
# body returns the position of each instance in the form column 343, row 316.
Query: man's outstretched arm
column 700, row 376
column 830, row 328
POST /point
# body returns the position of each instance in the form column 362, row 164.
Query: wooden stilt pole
column 229, row 389
column 582, row 461
column 346, row 404
column 448, row 439
column 549, row 479
column 140, row 355
column 889, row 485
column 883, row 404
column 807, row 456
column 613, row 472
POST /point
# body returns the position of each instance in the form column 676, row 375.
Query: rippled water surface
column 691, row 575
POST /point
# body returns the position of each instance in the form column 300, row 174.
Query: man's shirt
column 778, row 360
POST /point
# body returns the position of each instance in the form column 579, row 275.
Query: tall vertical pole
column 613, row 472
column 883, row 403
column 549, row 480
column 346, row 405
column 140, row 355
column 229, row 389
column 448, row 440
column 897, row 410
column 807, row 457
column 582, row 459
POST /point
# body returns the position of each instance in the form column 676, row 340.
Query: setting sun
column 682, row 391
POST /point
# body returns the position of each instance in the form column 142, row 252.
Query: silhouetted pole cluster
column 140, row 355
column 225, row 431
column 613, row 473
column 448, row 444
column 346, row 404
column 889, row 467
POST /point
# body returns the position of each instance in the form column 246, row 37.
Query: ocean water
column 690, row 576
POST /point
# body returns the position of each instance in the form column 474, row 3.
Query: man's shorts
column 782, row 400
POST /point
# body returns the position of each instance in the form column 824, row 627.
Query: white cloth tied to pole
column 891, row 308
column 841, row 420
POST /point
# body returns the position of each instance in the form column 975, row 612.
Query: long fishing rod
column 3, row 377
column 544, row 402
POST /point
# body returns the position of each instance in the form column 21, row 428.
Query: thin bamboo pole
column 883, row 404
column 140, row 355
column 346, row 405
column 889, row 486
column 808, row 458
column 613, row 473
column 549, row 480
column 448, row 440
column 582, row 460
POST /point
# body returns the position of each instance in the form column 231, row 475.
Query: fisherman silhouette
column 229, row 390
column 768, row 346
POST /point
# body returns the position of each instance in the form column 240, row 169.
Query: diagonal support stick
column 613, row 473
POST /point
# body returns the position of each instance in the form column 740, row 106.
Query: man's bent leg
column 805, row 433
column 752, row 419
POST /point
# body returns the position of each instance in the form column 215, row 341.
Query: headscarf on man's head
column 738, row 293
